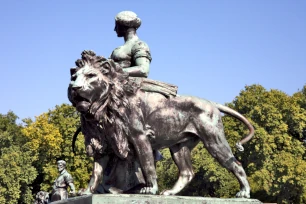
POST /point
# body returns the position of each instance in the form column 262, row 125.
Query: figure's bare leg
column 181, row 155
column 97, row 173
column 212, row 134
column 144, row 152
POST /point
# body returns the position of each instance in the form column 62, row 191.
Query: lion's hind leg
column 181, row 155
column 236, row 168
column 210, row 129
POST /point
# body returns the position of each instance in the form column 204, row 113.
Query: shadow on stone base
column 152, row 199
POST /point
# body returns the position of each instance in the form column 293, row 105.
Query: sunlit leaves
column 17, row 171
column 51, row 137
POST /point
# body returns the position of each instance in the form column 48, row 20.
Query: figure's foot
column 244, row 193
column 148, row 190
column 167, row 192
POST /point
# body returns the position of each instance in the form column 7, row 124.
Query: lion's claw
column 243, row 194
column 148, row 190
column 84, row 192
column 167, row 193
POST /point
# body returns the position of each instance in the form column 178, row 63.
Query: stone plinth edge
column 152, row 199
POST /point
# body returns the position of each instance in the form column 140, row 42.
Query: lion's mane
column 112, row 111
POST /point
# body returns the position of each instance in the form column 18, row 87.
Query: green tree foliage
column 66, row 118
column 274, row 159
column 50, row 137
column 16, row 159
column 44, row 139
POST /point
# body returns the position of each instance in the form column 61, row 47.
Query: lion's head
column 99, row 89
column 96, row 83
column 42, row 197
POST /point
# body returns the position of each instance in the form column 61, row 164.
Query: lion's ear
column 104, row 71
column 73, row 71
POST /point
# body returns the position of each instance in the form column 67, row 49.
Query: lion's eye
column 91, row 75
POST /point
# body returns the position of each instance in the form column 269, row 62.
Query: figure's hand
column 72, row 189
column 72, row 192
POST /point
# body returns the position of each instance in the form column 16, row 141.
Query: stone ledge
column 152, row 199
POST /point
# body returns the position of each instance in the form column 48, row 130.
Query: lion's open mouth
column 82, row 104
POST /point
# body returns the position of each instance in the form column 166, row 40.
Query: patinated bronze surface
column 62, row 183
column 134, row 56
column 42, row 197
column 60, row 186
column 126, row 118
column 123, row 122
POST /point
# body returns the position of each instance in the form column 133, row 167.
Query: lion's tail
column 74, row 138
column 235, row 114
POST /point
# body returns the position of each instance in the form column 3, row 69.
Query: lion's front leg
column 144, row 152
column 97, row 174
column 139, row 137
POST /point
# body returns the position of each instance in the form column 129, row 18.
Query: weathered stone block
column 152, row 199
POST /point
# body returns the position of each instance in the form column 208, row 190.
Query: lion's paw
column 84, row 192
column 148, row 190
column 167, row 193
column 243, row 194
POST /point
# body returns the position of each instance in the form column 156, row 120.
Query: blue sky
column 210, row 49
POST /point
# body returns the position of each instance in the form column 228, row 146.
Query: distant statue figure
column 61, row 184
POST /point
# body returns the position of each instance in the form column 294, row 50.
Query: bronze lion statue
column 123, row 125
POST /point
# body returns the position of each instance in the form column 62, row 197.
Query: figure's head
column 61, row 165
column 125, row 20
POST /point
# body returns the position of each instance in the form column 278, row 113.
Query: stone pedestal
column 152, row 199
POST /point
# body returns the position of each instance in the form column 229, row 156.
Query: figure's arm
column 141, row 68
column 72, row 188
column 54, row 185
column 141, row 57
column 69, row 180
